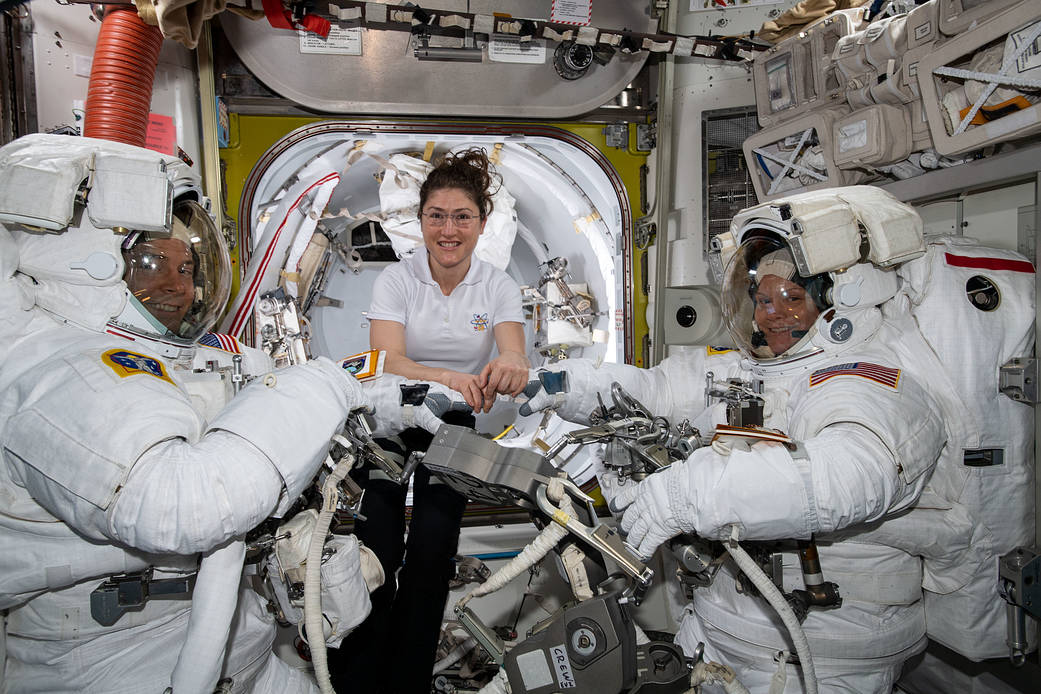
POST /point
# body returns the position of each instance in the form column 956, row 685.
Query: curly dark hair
column 469, row 171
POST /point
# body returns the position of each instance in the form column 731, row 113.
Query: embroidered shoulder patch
column 126, row 363
column 873, row 372
column 712, row 351
column 221, row 341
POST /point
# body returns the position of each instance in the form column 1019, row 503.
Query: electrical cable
column 780, row 605
column 313, row 618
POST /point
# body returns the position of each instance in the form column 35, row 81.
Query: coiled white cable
column 533, row 553
column 313, row 619
column 529, row 556
column 777, row 601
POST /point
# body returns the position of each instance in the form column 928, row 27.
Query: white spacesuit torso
column 877, row 355
column 132, row 462
column 96, row 402
column 877, row 571
column 935, row 550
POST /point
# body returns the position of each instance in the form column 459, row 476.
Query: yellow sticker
column 712, row 351
column 126, row 363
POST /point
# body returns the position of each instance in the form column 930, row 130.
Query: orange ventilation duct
column 120, row 91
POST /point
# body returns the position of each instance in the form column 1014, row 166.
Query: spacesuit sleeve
column 128, row 460
column 865, row 452
column 674, row 389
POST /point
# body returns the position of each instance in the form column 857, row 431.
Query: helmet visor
column 770, row 310
column 182, row 278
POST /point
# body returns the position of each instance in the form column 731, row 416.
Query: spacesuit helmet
column 770, row 309
column 805, row 275
column 90, row 218
column 177, row 281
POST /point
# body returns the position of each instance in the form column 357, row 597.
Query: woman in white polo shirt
column 438, row 315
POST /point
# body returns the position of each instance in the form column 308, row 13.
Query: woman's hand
column 507, row 373
column 469, row 385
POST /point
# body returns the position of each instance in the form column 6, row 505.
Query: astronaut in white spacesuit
column 124, row 455
column 801, row 295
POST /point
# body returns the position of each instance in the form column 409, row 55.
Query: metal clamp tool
column 603, row 539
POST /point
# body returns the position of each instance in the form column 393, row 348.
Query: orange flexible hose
column 120, row 91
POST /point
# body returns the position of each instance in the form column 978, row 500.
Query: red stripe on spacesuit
column 110, row 331
column 246, row 308
column 990, row 263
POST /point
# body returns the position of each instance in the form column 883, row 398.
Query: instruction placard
column 161, row 135
column 510, row 50
column 571, row 12
column 340, row 41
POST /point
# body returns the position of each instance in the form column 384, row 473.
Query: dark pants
column 393, row 650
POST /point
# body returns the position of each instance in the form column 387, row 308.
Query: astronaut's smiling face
column 160, row 274
column 784, row 312
column 449, row 240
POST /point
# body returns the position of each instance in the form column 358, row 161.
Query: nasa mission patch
column 126, row 363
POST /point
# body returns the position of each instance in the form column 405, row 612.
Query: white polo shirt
column 447, row 332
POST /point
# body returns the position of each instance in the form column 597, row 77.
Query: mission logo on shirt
column 479, row 322
column 126, row 363
column 872, row 372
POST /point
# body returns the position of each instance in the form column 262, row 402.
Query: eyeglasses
column 461, row 220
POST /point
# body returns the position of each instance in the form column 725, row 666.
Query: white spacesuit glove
column 617, row 492
column 658, row 508
column 569, row 387
column 419, row 404
column 620, row 492
column 762, row 491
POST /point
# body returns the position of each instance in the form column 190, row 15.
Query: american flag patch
column 873, row 372
column 221, row 341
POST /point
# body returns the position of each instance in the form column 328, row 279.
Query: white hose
column 455, row 656
column 533, row 553
column 214, row 600
column 313, row 619
column 498, row 685
column 777, row 601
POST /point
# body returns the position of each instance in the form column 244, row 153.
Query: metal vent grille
column 728, row 185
